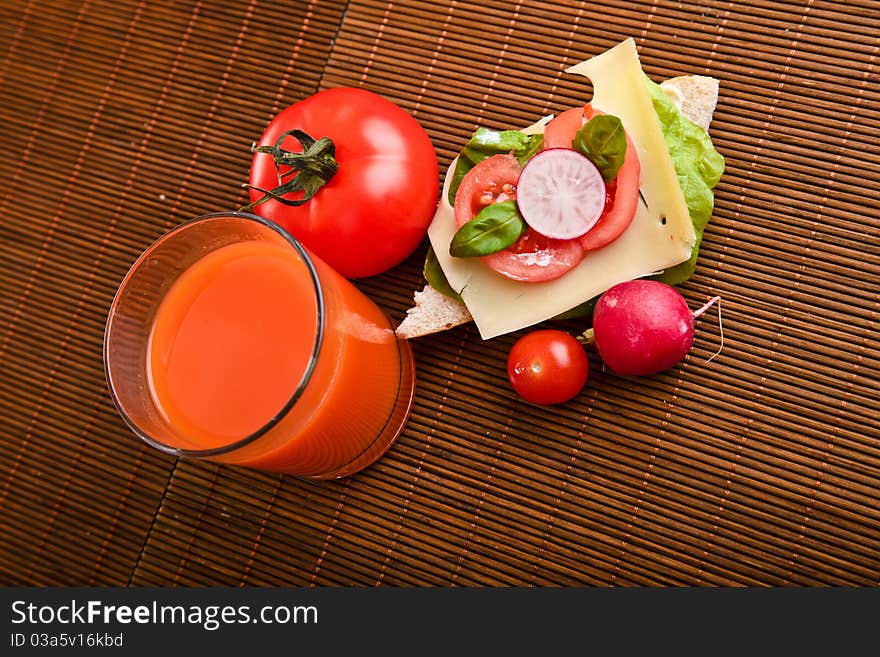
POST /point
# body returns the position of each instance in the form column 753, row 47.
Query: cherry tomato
column 374, row 211
column 533, row 257
column 547, row 366
column 622, row 193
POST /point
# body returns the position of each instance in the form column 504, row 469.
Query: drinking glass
column 229, row 341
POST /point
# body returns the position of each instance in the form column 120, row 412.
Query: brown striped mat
column 760, row 467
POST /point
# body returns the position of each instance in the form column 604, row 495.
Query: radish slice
column 560, row 193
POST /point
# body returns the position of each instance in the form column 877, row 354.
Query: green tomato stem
column 310, row 169
column 587, row 337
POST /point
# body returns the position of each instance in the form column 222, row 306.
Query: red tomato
column 375, row 210
column 547, row 366
column 622, row 193
column 533, row 257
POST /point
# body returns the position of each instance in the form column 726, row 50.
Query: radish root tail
column 703, row 309
column 708, row 305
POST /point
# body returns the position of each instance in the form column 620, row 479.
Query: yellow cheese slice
column 660, row 236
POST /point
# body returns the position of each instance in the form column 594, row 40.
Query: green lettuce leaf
column 436, row 277
column 699, row 167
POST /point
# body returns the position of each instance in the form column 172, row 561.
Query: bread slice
column 433, row 311
column 694, row 95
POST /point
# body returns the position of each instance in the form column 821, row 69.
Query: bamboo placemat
column 759, row 467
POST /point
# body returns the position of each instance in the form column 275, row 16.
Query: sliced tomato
column 622, row 193
column 533, row 258
column 622, row 199
column 560, row 132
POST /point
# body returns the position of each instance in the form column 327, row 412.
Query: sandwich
column 536, row 224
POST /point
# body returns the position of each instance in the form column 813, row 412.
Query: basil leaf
column 699, row 167
column 492, row 141
column 436, row 277
column 486, row 143
column 495, row 228
column 532, row 146
column 603, row 140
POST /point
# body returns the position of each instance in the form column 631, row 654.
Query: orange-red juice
column 247, row 348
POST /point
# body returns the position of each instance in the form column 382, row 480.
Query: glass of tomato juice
column 228, row 341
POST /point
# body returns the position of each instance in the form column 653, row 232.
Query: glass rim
column 307, row 373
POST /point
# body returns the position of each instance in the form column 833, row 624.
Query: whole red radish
column 643, row 327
